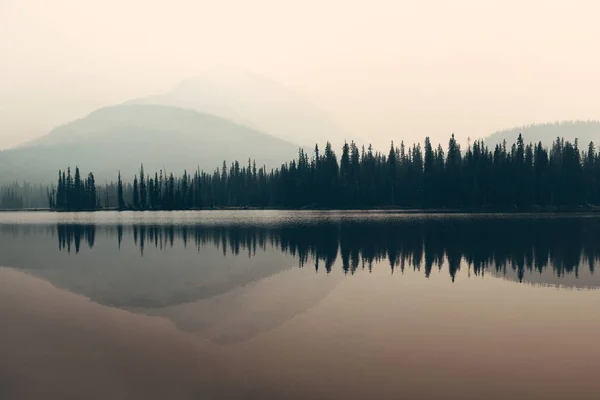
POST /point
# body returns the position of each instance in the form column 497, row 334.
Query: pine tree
column 590, row 175
column 453, row 174
column 345, row 175
column 429, row 175
column 60, row 191
column 65, row 191
column 69, row 201
column 392, row 161
column 355, row 174
column 120, row 197
column 91, row 198
column 136, row 194
column 143, row 191
column 78, row 191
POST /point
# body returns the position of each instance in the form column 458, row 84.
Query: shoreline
column 487, row 210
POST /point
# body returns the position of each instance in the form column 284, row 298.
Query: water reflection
column 496, row 245
column 221, row 309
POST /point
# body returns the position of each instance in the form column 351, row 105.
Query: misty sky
column 382, row 69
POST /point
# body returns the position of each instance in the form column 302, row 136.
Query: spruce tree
column 345, row 185
column 136, row 194
column 60, row 192
column 92, row 197
column 428, row 175
column 120, row 197
column 392, row 170
column 143, row 190
column 78, row 191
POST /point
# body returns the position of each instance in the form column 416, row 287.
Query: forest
column 18, row 196
column 505, row 177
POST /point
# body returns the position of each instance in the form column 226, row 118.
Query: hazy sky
column 383, row 69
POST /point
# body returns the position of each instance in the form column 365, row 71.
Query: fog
column 381, row 69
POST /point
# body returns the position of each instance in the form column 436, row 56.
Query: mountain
column 582, row 279
column 121, row 137
column 255, row 101
column 585, row 131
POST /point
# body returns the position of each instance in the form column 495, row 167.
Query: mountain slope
column 255, row 101
column 121, row 137
column 585, row 131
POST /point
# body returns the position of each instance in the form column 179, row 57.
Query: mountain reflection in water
column 261, row 305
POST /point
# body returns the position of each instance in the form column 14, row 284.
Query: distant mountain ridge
column 124, row 136
column 223, row 114
column 255, row 101
column 584, row 131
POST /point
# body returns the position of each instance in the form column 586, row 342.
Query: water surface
column 295, row 305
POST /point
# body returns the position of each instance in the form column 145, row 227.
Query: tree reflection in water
column 498, row 245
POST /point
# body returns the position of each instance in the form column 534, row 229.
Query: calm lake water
column 299, row 305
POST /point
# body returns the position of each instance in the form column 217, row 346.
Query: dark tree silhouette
column 521, row 176
column 74, row 194
column 143, row 191
column 120, row 196
column 136, row 194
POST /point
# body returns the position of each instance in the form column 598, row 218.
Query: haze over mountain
column 383, row 70
column 584, row 131
column 255, row 101
column 162, row 137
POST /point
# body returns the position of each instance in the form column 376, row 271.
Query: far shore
column 482, row 210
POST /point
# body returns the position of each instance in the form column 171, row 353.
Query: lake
column 299, row 305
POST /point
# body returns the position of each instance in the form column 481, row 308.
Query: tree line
column 505, row 177
column 10, row 199
column 17, row 196
column 73, row 193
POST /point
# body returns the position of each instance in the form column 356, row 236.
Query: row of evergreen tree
column 506, row 177
column 23, row 195
column 10, row 199
column 73, row 193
